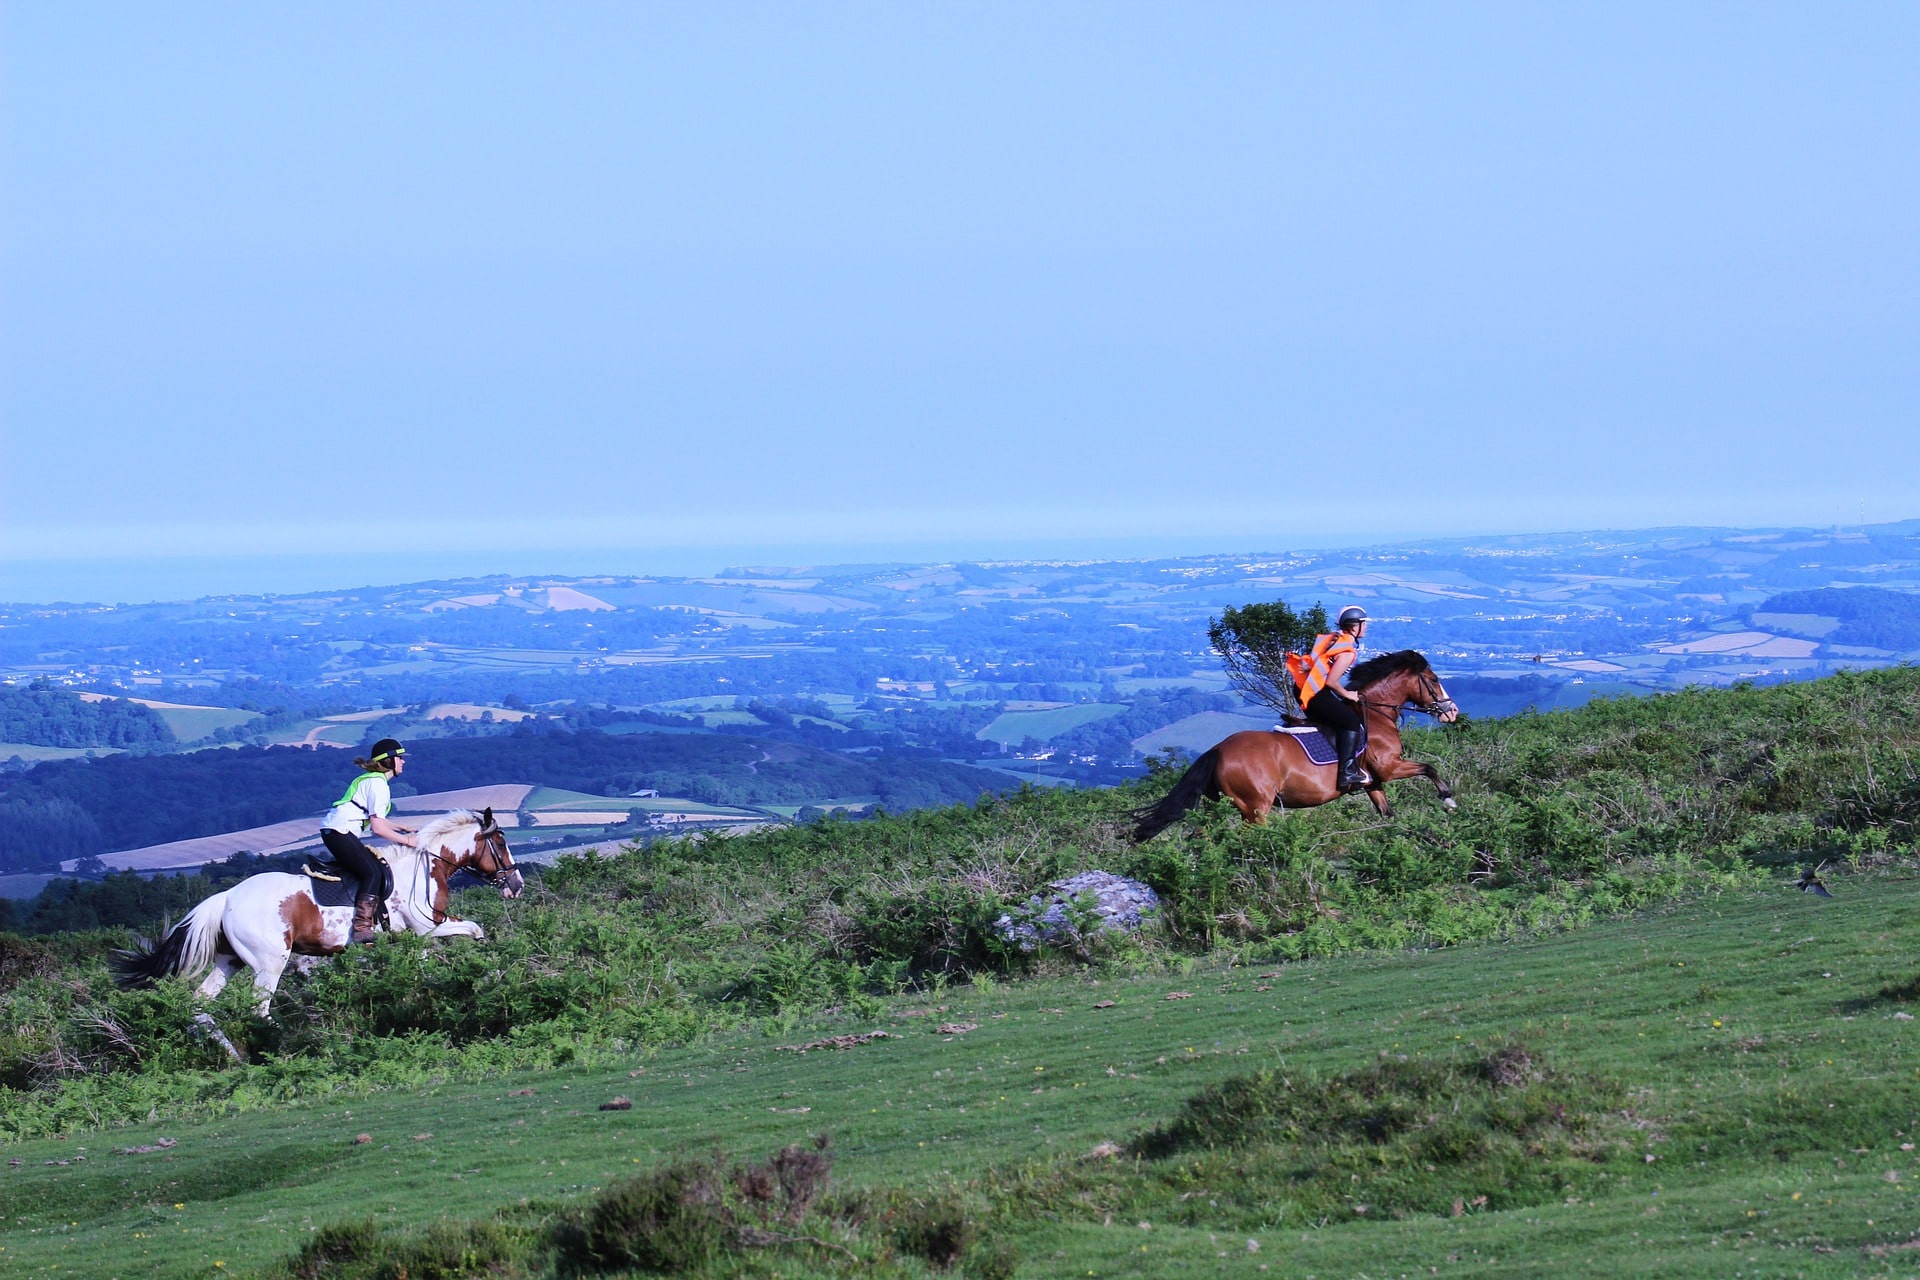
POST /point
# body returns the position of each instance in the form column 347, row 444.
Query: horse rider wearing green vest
column 364, row 807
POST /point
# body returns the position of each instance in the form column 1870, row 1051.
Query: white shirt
column 370, row 798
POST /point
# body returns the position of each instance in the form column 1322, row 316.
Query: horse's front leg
column 1414, row 768
column 1381, row 804
column 1404, row 768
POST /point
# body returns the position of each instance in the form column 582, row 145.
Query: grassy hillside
column 1710, row 1035
column 1734, row 1085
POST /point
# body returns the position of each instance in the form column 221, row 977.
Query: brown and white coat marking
column 268, row 921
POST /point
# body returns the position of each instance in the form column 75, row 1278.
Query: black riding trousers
column 356, row 859
column 1333, row 713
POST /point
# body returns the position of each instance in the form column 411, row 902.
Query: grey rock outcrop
column 1089, row 904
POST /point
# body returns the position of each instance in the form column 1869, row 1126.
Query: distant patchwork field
column 1011, row 728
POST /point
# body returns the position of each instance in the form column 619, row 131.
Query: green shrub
column 693, row 1211
column 671, row 1219
column 937, row 1230
column 338, row 1250
column 363, row 1250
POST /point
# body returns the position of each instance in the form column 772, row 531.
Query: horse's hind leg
column 224, row 967
column 267, row 957
column 1254, row 811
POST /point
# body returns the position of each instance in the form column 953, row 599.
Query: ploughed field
column 1737, row 1093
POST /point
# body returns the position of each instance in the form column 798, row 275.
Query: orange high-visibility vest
column 1325, row 649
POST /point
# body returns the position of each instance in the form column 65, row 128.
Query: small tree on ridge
column 1253, row 643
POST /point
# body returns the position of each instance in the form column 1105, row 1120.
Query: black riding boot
column 1351, row 777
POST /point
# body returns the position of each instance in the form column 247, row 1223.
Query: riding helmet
column 1352, row 613
column 386, row 749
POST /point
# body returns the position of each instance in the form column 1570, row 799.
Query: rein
column 503, row 867
column 1436, row 706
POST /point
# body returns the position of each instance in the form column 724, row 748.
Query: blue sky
column 657, row 280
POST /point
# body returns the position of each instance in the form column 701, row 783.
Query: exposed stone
column 1091, row 903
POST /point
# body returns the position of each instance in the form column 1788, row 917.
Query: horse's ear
column 486, row 819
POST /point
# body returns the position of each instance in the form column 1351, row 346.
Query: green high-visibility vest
column 347, row 798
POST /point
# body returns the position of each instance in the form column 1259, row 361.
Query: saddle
column 1315, row 743
column 331, row 886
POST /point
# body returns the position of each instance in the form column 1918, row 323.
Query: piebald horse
column 1258, row 769
column 269, row 920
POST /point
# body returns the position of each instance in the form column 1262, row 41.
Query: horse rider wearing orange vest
column 1331, row 705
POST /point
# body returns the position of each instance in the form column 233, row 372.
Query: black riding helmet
column 385, row 749
column 1352, row 613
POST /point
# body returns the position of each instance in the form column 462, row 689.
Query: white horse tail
column 186, row 951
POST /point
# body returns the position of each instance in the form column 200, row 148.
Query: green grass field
column 30, row 751
column 1011, row 728
column 190, row 724
column 1771, row 1096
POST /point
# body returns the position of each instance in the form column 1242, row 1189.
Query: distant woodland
column 47, row 716
column 1869, row 616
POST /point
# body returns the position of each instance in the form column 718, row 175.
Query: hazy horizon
column 131, row 580
column 483, row 280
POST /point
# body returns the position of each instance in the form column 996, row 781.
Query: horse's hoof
column 1448, row 803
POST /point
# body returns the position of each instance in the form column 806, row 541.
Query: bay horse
column 1257, row 769
column 270, row 919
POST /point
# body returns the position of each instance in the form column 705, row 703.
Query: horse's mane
column 446, row 825
column 1374, row 670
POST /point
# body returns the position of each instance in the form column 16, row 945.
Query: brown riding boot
column 363, row 930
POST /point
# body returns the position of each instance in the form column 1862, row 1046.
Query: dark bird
column 1810, row 882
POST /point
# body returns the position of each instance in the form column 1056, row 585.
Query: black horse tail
column 187, row 949
column 1196, row 784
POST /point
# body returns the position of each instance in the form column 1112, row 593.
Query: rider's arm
column 388, row 831
column 1336, row 672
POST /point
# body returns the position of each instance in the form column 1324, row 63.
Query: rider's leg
column 358, row 861
column 1338, row 719
column 1350, row 777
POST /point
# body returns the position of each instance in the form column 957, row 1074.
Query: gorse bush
column 1562, row 818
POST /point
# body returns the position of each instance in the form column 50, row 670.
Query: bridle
column 491, row 845
column 1437, row 703
column 490, row 859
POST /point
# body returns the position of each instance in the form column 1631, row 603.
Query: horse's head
column 1404, row 678
column 489, row 858
column 494, row 860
